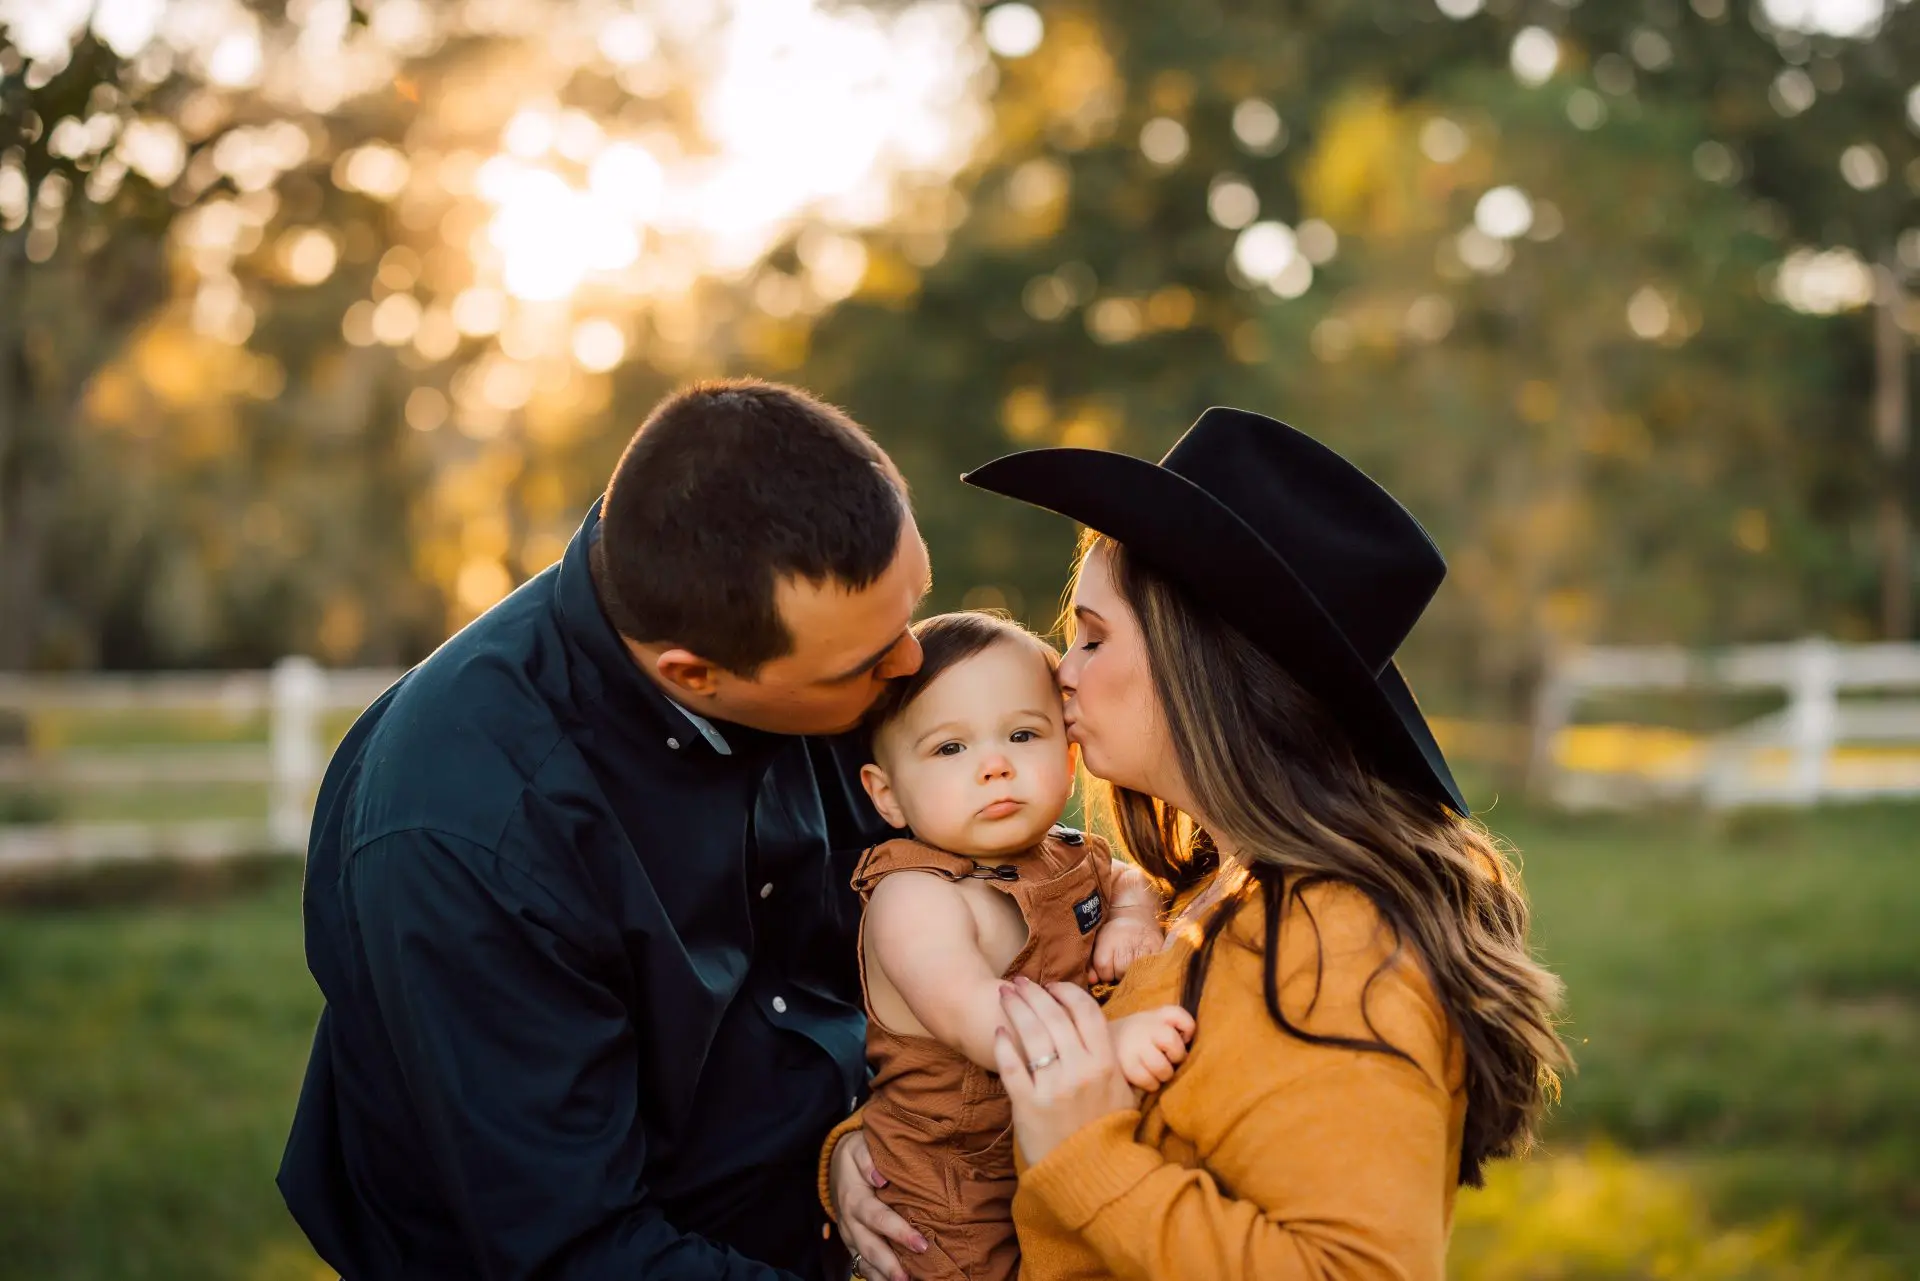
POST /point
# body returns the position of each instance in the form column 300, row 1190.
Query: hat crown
column 1352, row 545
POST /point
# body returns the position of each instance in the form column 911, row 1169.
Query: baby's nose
column 996, row 766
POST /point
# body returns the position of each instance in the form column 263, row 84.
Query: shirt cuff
column 1094, row 1168
column 834, row 1136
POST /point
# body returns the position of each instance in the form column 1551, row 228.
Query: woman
column 1371, row 1025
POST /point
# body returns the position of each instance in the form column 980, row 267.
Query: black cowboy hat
column 1291, row 543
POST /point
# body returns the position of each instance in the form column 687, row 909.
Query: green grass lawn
column 1745, row 1001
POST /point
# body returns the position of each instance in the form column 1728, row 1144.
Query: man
column 577, row 891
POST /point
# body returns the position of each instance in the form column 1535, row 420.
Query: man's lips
column 1002, row 808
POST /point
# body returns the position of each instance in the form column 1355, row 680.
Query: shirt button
column 674, row 743
column 766, row 891
column 779, row 1005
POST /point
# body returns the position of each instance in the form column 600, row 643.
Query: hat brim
column 1184, row 532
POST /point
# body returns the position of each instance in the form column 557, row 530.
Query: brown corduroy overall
column 939, row 1126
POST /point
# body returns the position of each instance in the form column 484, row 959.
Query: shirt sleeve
column 521, row 1067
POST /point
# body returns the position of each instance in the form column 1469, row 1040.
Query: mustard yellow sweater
column 1266, row 1156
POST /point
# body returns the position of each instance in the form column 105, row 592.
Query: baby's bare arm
column 922, row 938
column 1133, row 896
column 1132, row 928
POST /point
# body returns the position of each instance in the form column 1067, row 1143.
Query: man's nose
column 902, row 660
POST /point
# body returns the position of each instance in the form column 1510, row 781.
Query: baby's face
column 979, row 764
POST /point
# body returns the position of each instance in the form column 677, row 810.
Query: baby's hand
column 1121, row 942
column 1150, row 1045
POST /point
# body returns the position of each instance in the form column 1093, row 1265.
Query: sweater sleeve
column 1338, row 1166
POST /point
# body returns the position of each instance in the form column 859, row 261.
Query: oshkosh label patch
column 1087, row 912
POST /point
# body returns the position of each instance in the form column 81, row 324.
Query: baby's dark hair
column 946, row 641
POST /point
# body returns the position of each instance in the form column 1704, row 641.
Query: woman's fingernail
column 878, row 1179
column 919, row 1244
column 1007, row 989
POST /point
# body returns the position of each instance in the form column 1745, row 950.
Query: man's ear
column 686, row 671
column 880, row 792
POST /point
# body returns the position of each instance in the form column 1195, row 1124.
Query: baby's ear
column 880, row 792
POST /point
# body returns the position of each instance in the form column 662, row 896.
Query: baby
column 971, row 755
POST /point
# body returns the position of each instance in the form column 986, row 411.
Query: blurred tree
column 379, row 302
column 1525, row 266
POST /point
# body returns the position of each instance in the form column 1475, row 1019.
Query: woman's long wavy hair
column 1272, row 770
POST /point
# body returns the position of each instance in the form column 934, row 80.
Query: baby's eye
column 1024, row 735
column 949, row 749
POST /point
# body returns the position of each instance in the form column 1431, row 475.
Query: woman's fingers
column 1014, row 1076
column 1031, row 1035
column 863, row 1160
column 1061, row 1027
column 867, row 1224
column 879, row 1261
column 1083, row 1018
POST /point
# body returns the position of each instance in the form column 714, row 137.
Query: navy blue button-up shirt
column 592, row 997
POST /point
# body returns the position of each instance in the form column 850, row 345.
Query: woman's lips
column 1002, row 808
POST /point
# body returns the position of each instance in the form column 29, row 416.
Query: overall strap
column 906, row 855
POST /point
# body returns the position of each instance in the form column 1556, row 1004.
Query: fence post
column 1553, row 704
column 293, row 738
column 1813, row 714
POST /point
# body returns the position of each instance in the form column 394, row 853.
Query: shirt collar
column 705, row 726
column 609, row 667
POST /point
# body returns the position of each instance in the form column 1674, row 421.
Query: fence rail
column 295, row 699
column 1843, row 735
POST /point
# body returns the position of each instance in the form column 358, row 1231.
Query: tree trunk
column 1891, row 435
column 18, row 608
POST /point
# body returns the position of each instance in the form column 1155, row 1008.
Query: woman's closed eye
column 1089, row 645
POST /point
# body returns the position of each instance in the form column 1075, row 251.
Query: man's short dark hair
column 946, row 641
column 728, row 488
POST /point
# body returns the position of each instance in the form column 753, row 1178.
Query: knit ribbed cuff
column 1094, row 1168
column 834, row 1136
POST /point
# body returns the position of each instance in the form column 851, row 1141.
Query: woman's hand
column 869, row 1229
column 1058, row 1064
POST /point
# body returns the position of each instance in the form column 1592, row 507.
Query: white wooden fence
column 296, row 699
column 1845, row 733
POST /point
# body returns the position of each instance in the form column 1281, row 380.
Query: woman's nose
column 1068, row 677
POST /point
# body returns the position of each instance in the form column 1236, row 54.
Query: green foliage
column 1743, row 1003
column 1709, row 478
